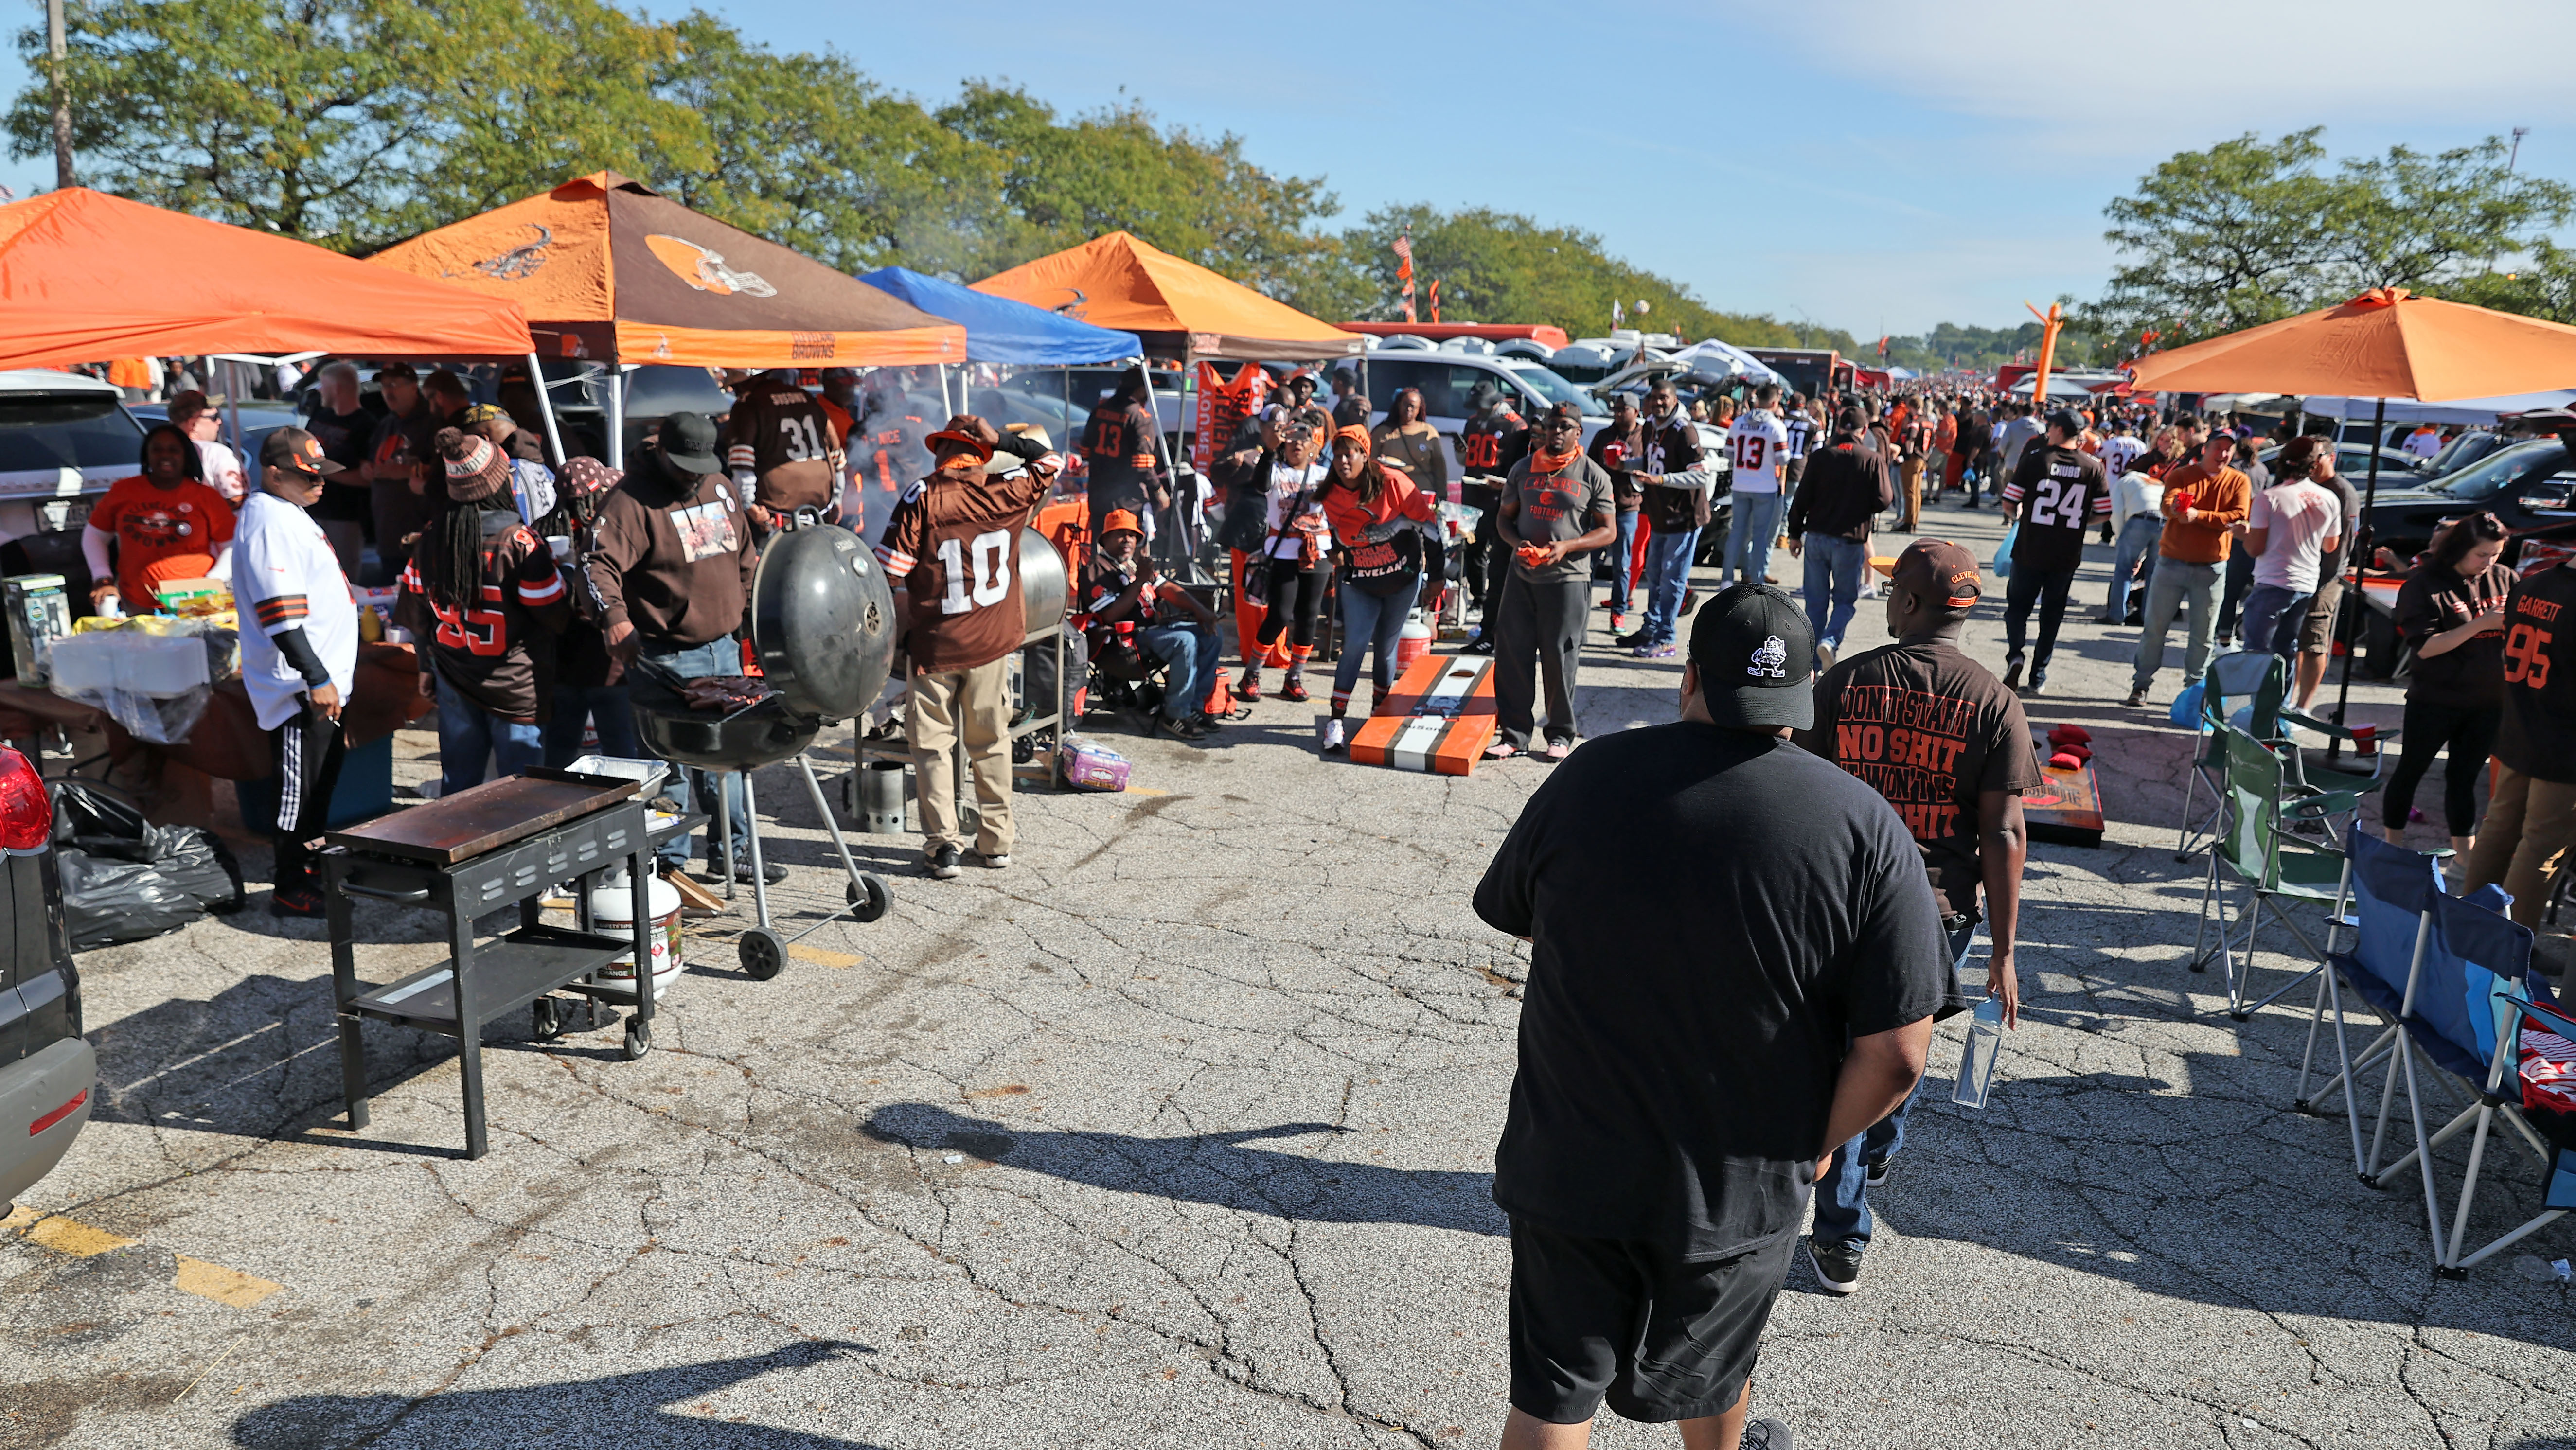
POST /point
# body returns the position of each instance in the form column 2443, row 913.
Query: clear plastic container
column 1977, row 1058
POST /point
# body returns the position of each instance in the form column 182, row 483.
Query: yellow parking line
column 63, row 1235
column 1145, row 790
column 224, row 1286
column 821, row 957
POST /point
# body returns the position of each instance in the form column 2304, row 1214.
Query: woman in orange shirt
column 1373, row 511
column 164, row 523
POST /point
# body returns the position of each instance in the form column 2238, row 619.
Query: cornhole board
column 2066, row 805
column 1439, row 718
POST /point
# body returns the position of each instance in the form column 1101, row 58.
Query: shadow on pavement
column 1213, row 1168
column 644, row 1406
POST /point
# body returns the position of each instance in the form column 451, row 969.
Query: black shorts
column 2316, row 632
column 1659, row 1339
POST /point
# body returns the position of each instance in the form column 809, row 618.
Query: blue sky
column 1870, row 166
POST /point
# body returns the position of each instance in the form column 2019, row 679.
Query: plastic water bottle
column 1977, row 1059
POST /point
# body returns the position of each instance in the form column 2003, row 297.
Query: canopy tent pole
column 232, row 405
column 2352, row 592
column 546, row 410
column 617, row 416
column 1175, row 512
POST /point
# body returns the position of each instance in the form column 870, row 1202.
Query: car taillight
column 26, row 817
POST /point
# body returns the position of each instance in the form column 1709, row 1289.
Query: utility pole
column 56, row 47
column 2510, row 157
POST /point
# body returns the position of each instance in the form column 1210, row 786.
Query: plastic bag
column 109, row 901
column 2186, row 707
column 199, row 865
column 2003, row 551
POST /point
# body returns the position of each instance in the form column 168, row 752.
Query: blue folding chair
column 2391, row 895
column 2472, row 1000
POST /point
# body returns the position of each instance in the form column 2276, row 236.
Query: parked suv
column 1446, row 378
column 63, row 440
column 2530, row 486
column 48, row 1071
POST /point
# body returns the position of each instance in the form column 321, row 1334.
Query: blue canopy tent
column 999, row 330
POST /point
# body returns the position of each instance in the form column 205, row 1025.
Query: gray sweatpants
column 1541, row 624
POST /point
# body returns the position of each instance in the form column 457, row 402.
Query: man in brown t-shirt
column 2204, row 502
column 1946, row 743
column 953, row 547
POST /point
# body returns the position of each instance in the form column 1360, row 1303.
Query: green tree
column 2542, row 286
column 350, row 124
column 2417, row 221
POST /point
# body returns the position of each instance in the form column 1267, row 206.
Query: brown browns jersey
column 781, row 436
column 498, row 648
column 954, row 546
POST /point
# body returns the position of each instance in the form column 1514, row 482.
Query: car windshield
column 1541, row 379
column 2489, row 476
column 86, row 430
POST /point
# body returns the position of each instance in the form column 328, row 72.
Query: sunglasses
column 1556, row 425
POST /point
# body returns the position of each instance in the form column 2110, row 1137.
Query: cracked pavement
column 1179, row 1133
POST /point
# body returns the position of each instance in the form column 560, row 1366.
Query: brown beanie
column 475, row 469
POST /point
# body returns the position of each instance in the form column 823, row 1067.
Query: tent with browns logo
column 609, row 270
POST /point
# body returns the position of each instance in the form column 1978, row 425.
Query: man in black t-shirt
column 1946, row 744
column 2531, row 813
column 2056, row 493
column 344, row 428
column 1734, row 963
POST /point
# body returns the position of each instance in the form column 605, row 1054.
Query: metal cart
column 503, row 843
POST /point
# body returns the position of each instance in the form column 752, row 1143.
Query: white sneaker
column 1824, row 654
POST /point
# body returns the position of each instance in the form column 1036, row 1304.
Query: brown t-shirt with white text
column 1929, row 729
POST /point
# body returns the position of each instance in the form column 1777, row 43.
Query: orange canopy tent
column 85, row 276
column 606, row 268
column 1179, row 309
column 2385, row 343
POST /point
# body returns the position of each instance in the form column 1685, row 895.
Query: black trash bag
column 93, row 816
column 200, row 865
column 109, row 901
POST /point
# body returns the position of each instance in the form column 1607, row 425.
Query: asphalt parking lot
column 1179, row 1134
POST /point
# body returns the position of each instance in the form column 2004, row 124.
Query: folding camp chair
column 2261, row 682
column 2389, row 894
column 2253, row 845
column 2473, row 995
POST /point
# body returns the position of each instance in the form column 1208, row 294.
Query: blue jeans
column 1372, row 621
column 1190, row 651
column 1668, row 566
column 707, row 788
column 1748, row 538
column 576, row 703
column 2273, row 618
column 2138, row 538
column 1622, row 550
column 467, row 732
column 1842, row 1195
column 1834, row 568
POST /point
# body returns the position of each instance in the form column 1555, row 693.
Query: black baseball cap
column 2068, row 422
column 296, row 451
column 689, row 441
column 1756, row 655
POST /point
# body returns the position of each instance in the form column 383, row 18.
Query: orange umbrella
column 85, row 276
column 2385, row 343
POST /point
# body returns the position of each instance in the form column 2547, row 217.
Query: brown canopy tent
column 607, row 269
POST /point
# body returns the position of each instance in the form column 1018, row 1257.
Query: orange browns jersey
column 954, row 547
column 782, row 437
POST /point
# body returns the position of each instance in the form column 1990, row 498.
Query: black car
column 2528, row 485
column 48, row 1071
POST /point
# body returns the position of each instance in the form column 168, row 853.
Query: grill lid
column 822, row 621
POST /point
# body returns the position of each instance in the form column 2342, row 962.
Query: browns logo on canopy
column 610, row 270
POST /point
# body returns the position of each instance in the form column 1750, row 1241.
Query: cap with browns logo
column 296, row 451
column 1940, row 573
column 1756, row 655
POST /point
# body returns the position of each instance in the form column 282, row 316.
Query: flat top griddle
column 491, row 815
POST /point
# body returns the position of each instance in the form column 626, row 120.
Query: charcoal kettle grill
column 823, row 626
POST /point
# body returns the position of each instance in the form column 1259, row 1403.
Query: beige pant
column 2524, row 839
column 976, row 703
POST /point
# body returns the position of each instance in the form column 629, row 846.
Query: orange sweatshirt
column 2217, row 499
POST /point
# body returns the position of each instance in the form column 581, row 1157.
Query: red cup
column 2365, row 740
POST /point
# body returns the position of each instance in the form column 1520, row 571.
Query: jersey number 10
column 992, row 576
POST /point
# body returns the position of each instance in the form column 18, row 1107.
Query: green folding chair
column 2254, row 846
column 2258, row 682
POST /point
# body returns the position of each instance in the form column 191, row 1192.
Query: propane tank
column 1413, row 642
column 612, row 913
